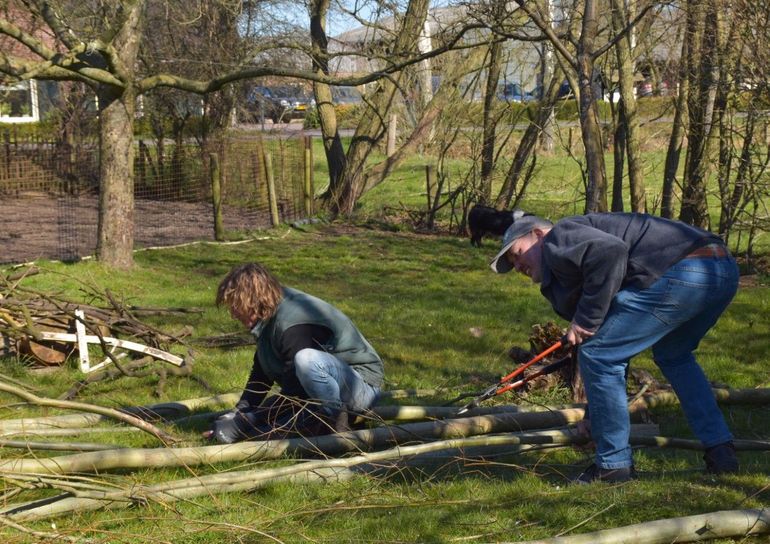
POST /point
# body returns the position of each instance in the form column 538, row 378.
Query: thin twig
column 41, row 534
column 589, row 518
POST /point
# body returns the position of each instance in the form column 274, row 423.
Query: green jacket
column 347, row 343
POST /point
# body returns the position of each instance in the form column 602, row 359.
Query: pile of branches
column 25, row 313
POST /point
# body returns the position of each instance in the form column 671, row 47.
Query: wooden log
column 272, row 196
column 722, row 395
column 721, row 524
column 233, row 481
column 182, row 408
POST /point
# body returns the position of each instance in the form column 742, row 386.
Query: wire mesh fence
column 49, row 192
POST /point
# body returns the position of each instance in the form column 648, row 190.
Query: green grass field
column 415, row 297
column 441, row 320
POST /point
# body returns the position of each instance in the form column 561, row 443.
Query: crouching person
column 321, row 361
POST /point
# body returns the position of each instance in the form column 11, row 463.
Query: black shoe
column 721, row 459
column 613, row 475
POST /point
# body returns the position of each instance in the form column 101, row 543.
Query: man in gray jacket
column 627, row 282
column 321, row 361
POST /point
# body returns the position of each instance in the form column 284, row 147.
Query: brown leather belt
column 711, row 250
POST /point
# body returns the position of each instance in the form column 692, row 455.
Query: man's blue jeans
column 333, row 382
column 671, row 316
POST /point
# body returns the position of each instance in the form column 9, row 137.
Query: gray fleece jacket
column 587, row 259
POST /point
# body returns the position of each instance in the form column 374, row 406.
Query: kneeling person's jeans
column 671, row 316
column 324, row 379
column 333, row 382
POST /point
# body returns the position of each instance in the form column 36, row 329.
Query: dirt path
column 41, row 226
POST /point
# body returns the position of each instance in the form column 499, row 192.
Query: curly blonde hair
column 250, row 289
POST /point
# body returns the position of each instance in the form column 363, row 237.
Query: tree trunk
column 115, row 243
column 677, row 132
column 704, row 80
column 115, row 238
column 335, row 152
column 596, row 191
column 489, row 123
column 629, row 116
column 730, row 206
column 509, row 192
column 343, row 195
column 549, row 69
column 619, row 154
column 425, row 126
column 730, row 50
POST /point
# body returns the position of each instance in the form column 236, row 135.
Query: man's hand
column 577, row 334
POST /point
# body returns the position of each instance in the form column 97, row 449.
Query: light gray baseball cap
column 523, row 224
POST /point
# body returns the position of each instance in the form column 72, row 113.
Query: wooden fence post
column 271, row 196
column 308, row 187
column 216, row 196
column 428, row 185
column 392, row 132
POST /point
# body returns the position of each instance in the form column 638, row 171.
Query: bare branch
column 108, row 412
column 207, row 86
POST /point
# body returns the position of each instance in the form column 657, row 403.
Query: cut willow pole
column 226, row 482
column 721, row 524
column 92, row 408
column 154, row 412
column 236, row 481
column 329, row 445
column 66, row 504
column 182, row 408
column 31, row 445
column 723, row 396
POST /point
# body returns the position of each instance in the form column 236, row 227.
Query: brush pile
column 40, row 329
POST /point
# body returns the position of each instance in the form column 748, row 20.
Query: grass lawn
column 416, row 298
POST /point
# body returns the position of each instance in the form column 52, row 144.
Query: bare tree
column 582, row 62
column 703, row 73
column 630, row 140
column 676, row 137
column 99, row 43
column 489, row 122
